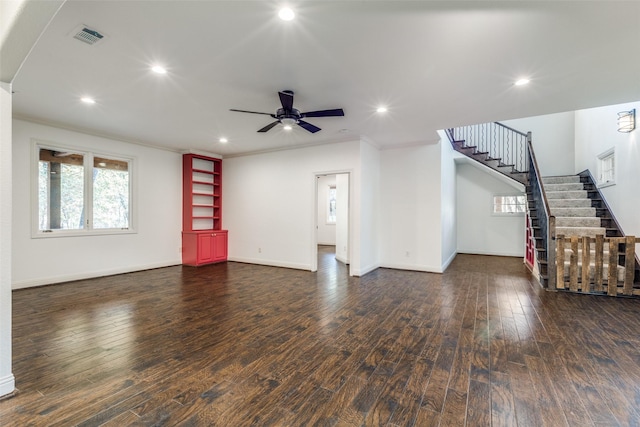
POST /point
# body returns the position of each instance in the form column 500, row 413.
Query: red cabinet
column 204, row 247
column 203, row 240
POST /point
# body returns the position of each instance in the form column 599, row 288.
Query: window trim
column 507, row 214
column 610, row 153
column 89, row 154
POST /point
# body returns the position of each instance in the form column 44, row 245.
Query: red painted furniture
column 203, row 240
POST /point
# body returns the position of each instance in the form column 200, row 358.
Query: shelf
column 206, row 194
column 205, row 171
column 205, row 217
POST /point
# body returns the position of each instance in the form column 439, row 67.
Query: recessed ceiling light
column 88, row 100
column 287, row 127
column 522, row 82
column 223, row 140
column 286, row 14
column 381, row 109
column 158, row 69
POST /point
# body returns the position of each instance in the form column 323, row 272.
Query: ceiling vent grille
column 88, row 35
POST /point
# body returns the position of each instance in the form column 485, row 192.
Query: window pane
column 60, row 190
column 331, row 213
column 110, row 193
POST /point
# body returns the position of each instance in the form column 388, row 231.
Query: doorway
column 332, row 216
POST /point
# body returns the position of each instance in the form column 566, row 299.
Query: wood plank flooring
column 237, row 345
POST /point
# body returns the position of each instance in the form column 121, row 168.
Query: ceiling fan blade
column 269, row 126
column 252, row 112
column 286, row 99
column 324, row 113
column 308, row 126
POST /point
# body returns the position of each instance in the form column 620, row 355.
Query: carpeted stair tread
column 584, row 222
column 560, row 179
column 580, row 231
column 573, row 212
column 575, row 186
column 574, row 194
column 569, row 203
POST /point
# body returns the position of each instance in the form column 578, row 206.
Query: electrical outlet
column 406, row 254
column 259, row 250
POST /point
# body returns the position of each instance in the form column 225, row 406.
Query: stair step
column 573, row 212
column 578, row 222
column 564, row 187
column 560, row 179
column 580, row 231
column 578, row 194
column 569, row 203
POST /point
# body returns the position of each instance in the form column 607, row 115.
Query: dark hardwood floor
column 236, row 344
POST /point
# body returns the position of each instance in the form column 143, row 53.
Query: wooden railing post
column 559, row 266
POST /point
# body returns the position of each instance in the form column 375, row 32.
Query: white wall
column 342, row 217
column 596, row 132
column 369, row 209
column 326, row 231
column 7, row 381
column 269, row 203
column 448, row 215
column 410, row 224
column 479, row 230
column 157, row 176
column 552, row 139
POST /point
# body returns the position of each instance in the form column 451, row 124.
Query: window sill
column 80, row 233
column 606, row 184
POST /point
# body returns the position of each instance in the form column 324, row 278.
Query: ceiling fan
column 289, row 116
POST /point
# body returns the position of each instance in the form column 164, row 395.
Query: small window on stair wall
column 509, row 205
column 607, row 168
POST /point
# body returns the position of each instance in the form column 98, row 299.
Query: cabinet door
column 205, row 248
column 219, row 246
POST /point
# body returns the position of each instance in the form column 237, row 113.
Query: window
column 607, row 168
column 509, row 204
column 331, row 205
column 81, row 192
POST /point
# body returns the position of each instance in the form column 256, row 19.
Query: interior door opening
column 331, row 216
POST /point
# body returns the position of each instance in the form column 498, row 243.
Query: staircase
column 571, row 229
column 570, row 204
column 495, row 145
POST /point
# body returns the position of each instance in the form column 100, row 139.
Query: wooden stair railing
column 578, row 271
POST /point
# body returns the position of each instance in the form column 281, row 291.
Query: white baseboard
column 413, row 267
column 446, row 264
column 362, row 271
column 342, row 260
column 49, row 280
column 271, row 263
column 7, row 385
column 491, row 253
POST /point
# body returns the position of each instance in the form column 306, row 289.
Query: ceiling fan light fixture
column 288, row 121
column 287, row 127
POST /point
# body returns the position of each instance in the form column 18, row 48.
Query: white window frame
column 88, row 154
column 493, row 205
column 603, row 159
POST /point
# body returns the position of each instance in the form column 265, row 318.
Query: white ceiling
column 434, row 64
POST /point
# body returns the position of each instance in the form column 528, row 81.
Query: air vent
column 87, row 35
